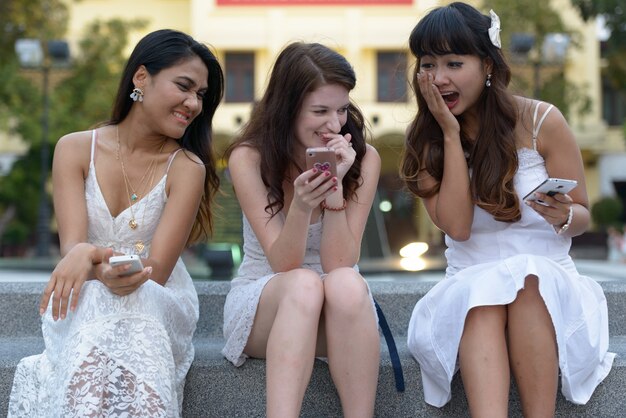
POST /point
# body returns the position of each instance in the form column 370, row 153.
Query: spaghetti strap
column 537, row 125
column 93, row 145
column 169, row 162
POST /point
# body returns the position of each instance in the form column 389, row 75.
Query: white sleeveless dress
column 254, row 273
column 489, row 269
column 115, row 356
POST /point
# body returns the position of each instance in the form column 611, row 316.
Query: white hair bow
column 494, row 30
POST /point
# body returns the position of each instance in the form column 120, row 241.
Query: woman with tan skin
column 116, row 344
column 298, row 294
column 512, row 301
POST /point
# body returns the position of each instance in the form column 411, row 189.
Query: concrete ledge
column 215, row 388
column 397, row 297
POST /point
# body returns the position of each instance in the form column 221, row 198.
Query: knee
column 345, row 291
column 305, row 291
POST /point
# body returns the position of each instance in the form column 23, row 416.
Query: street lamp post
column 32, row 55
column 552, row 51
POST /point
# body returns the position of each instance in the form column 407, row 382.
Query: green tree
column 19, row 98
column 82, row 99
column 539, row 19
column 614, row 14
column 40, row 19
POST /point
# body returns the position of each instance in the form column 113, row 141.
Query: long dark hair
column 299, row 69
column 462, row 30
column 163, row 49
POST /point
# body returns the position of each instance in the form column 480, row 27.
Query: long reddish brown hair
column 299, row 69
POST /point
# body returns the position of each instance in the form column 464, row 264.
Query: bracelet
column 567, row 223
column 324, row 207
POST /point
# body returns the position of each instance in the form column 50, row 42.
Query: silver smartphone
column 550, row 187
column 135, row 263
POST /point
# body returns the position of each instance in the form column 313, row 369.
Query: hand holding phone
column 135, row 263
column 550, row 187
column 323, row 159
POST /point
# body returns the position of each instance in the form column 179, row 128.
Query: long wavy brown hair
column 163, row 49
column 299, row 69
column 492, row 156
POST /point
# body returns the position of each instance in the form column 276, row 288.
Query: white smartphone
column 135, row 263
column 551, row 187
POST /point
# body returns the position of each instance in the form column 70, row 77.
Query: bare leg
column 352, row 341
column 285, row 333
column 533, row 351
column 484, row 361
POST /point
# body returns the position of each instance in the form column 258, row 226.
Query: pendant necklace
column 131, row 193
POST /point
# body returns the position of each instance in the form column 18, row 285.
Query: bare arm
column 557, row 145
column 451, row 209
column 283, row 239
column 343, row 230
column 80, row 259
column 184, row 187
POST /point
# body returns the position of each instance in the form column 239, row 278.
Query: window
column 613, row 104
column 391, row 76
column 239, row 77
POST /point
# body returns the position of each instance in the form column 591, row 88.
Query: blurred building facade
column 372, row 34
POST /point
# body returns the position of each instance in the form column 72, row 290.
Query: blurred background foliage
column 80, row 96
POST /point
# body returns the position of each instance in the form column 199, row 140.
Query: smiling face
column 459, row 78
column 173, row 96
column 324, row 110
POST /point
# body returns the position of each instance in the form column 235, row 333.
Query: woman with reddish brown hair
column 298, row 293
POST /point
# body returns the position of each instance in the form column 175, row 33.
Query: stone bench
column 214, row 388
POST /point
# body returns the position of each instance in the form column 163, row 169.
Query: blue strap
column 391, row 345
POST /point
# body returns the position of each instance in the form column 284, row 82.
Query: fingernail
column 326, row 173
column 335, row 179
column 149, row 269
column 335, row 188
column 62, row 316
column 314, row 170
column 41, row 311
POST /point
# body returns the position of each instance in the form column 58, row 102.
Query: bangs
column 444, row 31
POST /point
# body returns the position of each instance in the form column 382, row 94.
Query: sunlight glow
column 413, row 250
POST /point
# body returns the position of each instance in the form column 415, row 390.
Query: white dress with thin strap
column 489, row 269
column 254, row 273
column 115, row 356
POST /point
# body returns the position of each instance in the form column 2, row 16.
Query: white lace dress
column 489, row 269
column 116, row 356
column 254, row 273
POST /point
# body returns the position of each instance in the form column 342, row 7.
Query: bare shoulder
column 532, row 113
column 187, row 162
column 244, row 156
column 76, row 141
column 371, row 156
column 555, row 128
column 371, row 151
column 73, row 150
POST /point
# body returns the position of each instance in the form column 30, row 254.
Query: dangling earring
column 488, row 82
column 137, row 94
